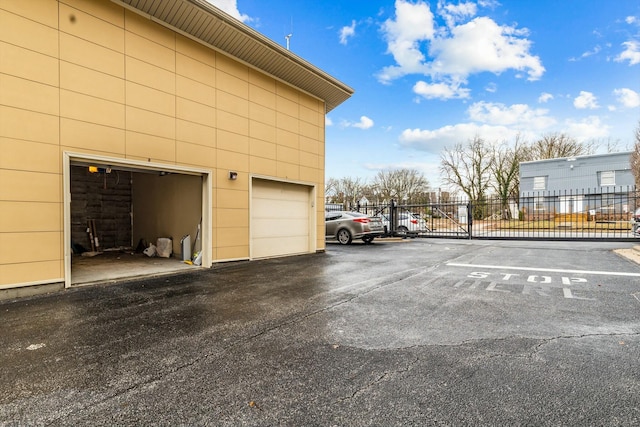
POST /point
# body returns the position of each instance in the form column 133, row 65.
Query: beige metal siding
column 209, row 24
column 140, row 92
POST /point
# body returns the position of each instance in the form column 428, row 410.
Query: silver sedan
column 345, row 226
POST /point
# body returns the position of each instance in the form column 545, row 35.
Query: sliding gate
column 452, row 219
column 570, row 215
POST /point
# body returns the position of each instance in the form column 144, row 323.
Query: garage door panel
column 277, row 194
column 268, row 208
column 280, row 191
column 282, row 227
column 280, row 218
column 288, row 246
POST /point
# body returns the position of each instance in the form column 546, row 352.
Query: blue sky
column 429, row 74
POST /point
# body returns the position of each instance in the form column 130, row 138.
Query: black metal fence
column 446, row 219
column 544, row 215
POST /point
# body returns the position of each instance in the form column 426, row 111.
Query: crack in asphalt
column 541, row 342
column 379, row 379
column 547, row 341
column 530, row 355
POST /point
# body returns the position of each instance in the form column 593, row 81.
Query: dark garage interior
column 117, row 212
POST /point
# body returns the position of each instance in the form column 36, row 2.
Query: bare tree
column 635, row 159
column 370, row 191
column 505, row 166
column 352, row 189
column 331, row 190
column 400, row 184
column 612, row 145
column 468, row 167
column 557, row 145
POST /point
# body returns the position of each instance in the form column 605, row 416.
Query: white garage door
column 280, row 219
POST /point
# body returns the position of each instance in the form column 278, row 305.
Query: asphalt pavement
column 410, row 332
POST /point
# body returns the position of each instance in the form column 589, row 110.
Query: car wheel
column 367, row 239
column 344, row 237
column 402, row 230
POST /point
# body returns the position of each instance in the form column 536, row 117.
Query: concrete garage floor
column 115, row 265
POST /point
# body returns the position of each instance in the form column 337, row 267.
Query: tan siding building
column 195, row 118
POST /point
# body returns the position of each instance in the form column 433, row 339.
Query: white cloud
column 631, row 53
column 588, row 53
column 627, row 97
column 455, row 52
column 364, row 123
column 413, row 24
column 328, row 121
column 347, row 32
column 517, row 116
column 453, row 13
column 230, row 7
column 433, row 141
column 586, row 129
column 440, row 90
column 491, row 87
column 425, row 167
column 586, row 100
column 428, row 167
column 631, row 20
column 545, row 97
column 491, row 4
column 482, row 45
column 496, row 123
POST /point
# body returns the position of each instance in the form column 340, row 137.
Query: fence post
column 470, row 220
column 393, row 217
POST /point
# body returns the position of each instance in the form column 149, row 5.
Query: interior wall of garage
column 94, row 78
column 105, row 198
column 167, row 206
column 131, row 206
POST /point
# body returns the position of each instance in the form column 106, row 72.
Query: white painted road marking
column 510, row 288
column 568, row 294
column 552, row 270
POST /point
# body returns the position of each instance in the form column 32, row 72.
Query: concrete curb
column 632, row 254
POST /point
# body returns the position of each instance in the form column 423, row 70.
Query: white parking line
column 551, row 270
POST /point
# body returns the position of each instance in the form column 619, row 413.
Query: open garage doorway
column 115, row 210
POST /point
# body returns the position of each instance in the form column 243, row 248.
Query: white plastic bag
column 164, row 247
column 197, row 258
column 150, row 251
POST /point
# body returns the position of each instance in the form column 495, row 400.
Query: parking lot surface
column 412, row 332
